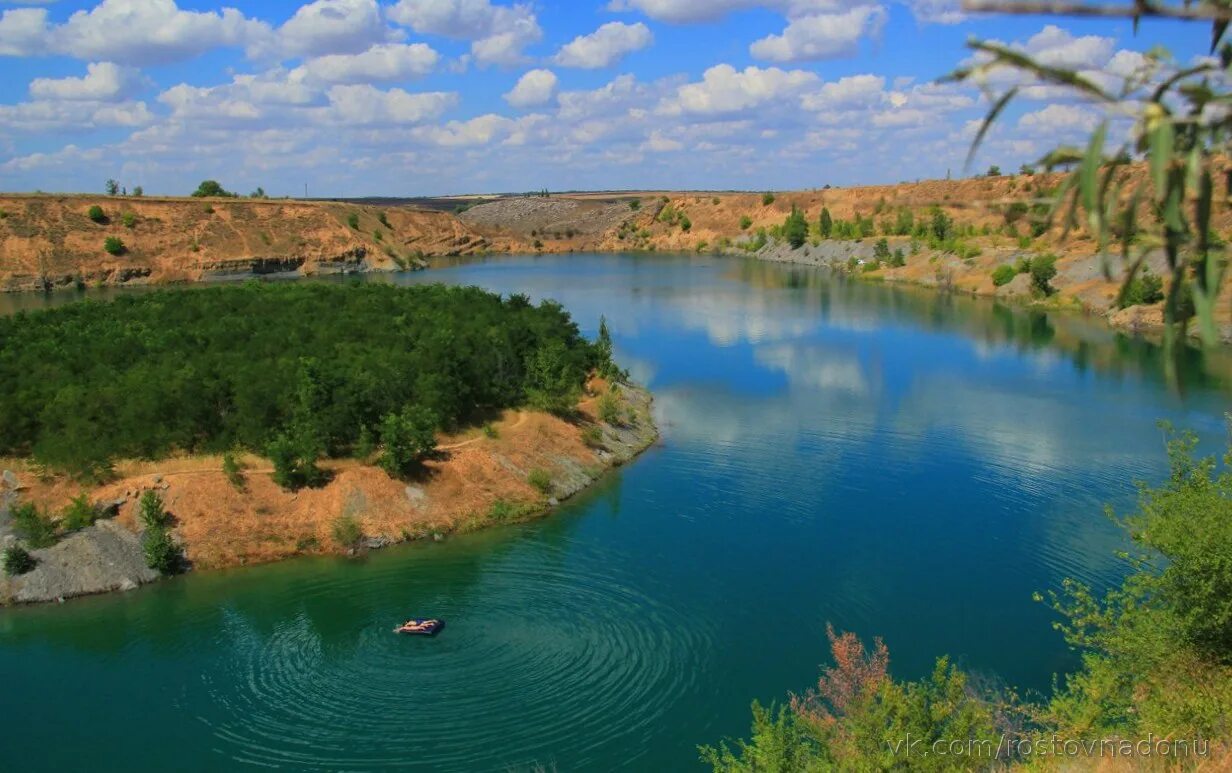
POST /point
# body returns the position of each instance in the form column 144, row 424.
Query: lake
column 892, row 461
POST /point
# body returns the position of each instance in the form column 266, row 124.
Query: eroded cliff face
column 53, row 241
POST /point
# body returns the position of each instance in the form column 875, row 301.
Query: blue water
column 895, row 462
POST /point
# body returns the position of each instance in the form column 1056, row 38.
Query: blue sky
column 414, row 97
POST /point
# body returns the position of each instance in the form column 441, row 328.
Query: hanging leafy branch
column 1180, row 118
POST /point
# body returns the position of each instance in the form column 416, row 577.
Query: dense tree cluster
column 298, row 369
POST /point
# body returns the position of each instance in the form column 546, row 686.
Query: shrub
column 96, row 214
column 407, row 438
column 745, row 222
column 1145, row 289
column 881, row 250
column 231, row 468
column 898, row 259
column 592, row 436
column 1043, row 269
column 129, row 219
column 994, row 171
column 501, row 511
column 767, row 199
column 715, row 201
column 384, row 221
column 540, row 480
column 33, row 526
column 365, row 444
column 1003, row 274
column 635, row 205
column 79, row 513
column 161, row 552
column 685, row 223
column 353, row 220
column 609, row 407
column 114, row 245
column 346, row 531
column 490, row 432
column 17, row 560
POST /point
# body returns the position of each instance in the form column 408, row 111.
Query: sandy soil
column 48, row 241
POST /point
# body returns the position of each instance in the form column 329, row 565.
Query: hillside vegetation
column 292, row 371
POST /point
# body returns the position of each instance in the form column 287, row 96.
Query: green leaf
column 1089, row 172
column 997, row 107
column 1160, row 152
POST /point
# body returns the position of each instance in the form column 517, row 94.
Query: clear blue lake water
column 893, row 461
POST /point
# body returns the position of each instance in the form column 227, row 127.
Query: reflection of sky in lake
column 899, row 463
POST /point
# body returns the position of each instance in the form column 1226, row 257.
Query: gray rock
column 103, row 557
column 9, row 479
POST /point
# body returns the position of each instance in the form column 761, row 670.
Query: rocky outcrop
column 104, row 557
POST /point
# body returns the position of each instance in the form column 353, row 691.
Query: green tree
column 795, row 228
column 112, row 187
column 553, row 382
column 162, row 554
column 826, row 223
column 994, row 171
column 138, row 191
column 407, row 438
column 212, row 188
column 881, row 251
column 259, row 193
column 1043, row 270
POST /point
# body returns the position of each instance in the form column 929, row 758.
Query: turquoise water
column 895, row 462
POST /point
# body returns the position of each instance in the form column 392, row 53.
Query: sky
column 347, row 98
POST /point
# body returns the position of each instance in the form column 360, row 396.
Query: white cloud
column 103, row 82
column 822, row 35
column 477, row 131
column 366, row 105
column 854, row 91
column 605, row 46
column 330, row 27
column 683, row 10
column 724, row 89
column 381, row 63
column 536, row 87
column 75, row 116
column 936, row 11
column 498, row 33
column 136, row 32
column 657, row 142
column 1062, row 117
column 23, row 31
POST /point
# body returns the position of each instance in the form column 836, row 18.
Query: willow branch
column 1198, row 12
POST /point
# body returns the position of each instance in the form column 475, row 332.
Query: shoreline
column 479, row 481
